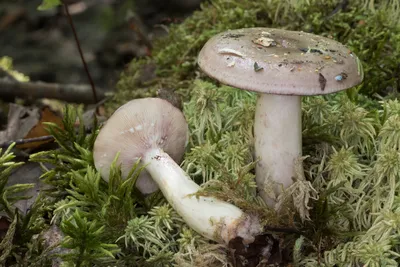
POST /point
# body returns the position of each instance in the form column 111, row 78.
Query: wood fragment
column 77, row 93
column 27, row 141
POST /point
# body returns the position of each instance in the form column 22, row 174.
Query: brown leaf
column 24, row 122
column 46, row 115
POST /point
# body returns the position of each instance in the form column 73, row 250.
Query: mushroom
column 154, row 131
column 280, row 66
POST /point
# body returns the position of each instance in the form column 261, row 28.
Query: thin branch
column 80, row 52
column 27, row 141
column 33, row 90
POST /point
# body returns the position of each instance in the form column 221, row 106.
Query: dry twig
column 27, row 140
column 71, row 23
column 33, row 90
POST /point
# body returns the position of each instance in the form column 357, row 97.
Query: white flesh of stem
column 212, row 218
column 278, row 143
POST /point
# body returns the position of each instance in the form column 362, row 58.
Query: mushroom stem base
column 212, row 218
column 278, row 143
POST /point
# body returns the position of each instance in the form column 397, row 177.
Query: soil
column 42, row 46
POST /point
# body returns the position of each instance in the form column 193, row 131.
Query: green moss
column 350, row 186
column 346, row 204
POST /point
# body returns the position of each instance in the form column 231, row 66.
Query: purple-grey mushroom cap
column 276, row 61
column 135, row 128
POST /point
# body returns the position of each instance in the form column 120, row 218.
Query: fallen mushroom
column 297, row 64
column 146, row 129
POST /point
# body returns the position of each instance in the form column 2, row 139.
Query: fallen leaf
column 88, row 117
column 28, row 173
column 46, row 115
column 24, row 123
column 20, row 121
column 52, row 238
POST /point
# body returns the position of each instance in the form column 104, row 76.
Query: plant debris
column 257, row 67
column 265, row 41
column 322, row 81
column 342, row 76
column 229, row 51
column 311, row 50
column 21, row 120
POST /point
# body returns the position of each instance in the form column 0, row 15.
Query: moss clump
column 351, row 184
column 350, row 189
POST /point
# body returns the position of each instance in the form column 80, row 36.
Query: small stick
column 79, row 93
column 80, row 52
column 27, row 140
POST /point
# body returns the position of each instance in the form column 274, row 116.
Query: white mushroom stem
column 212, row 218
column 278, row 142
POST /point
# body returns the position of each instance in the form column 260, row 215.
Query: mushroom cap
column 282, row 62
column 135, row 128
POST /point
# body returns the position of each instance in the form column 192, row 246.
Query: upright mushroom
column 281, row 66
column 146, row 129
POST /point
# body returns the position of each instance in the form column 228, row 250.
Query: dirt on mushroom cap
column 288, row 62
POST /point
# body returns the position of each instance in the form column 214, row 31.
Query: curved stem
column 212, row 218
column 278, row 143
column 78, row 45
